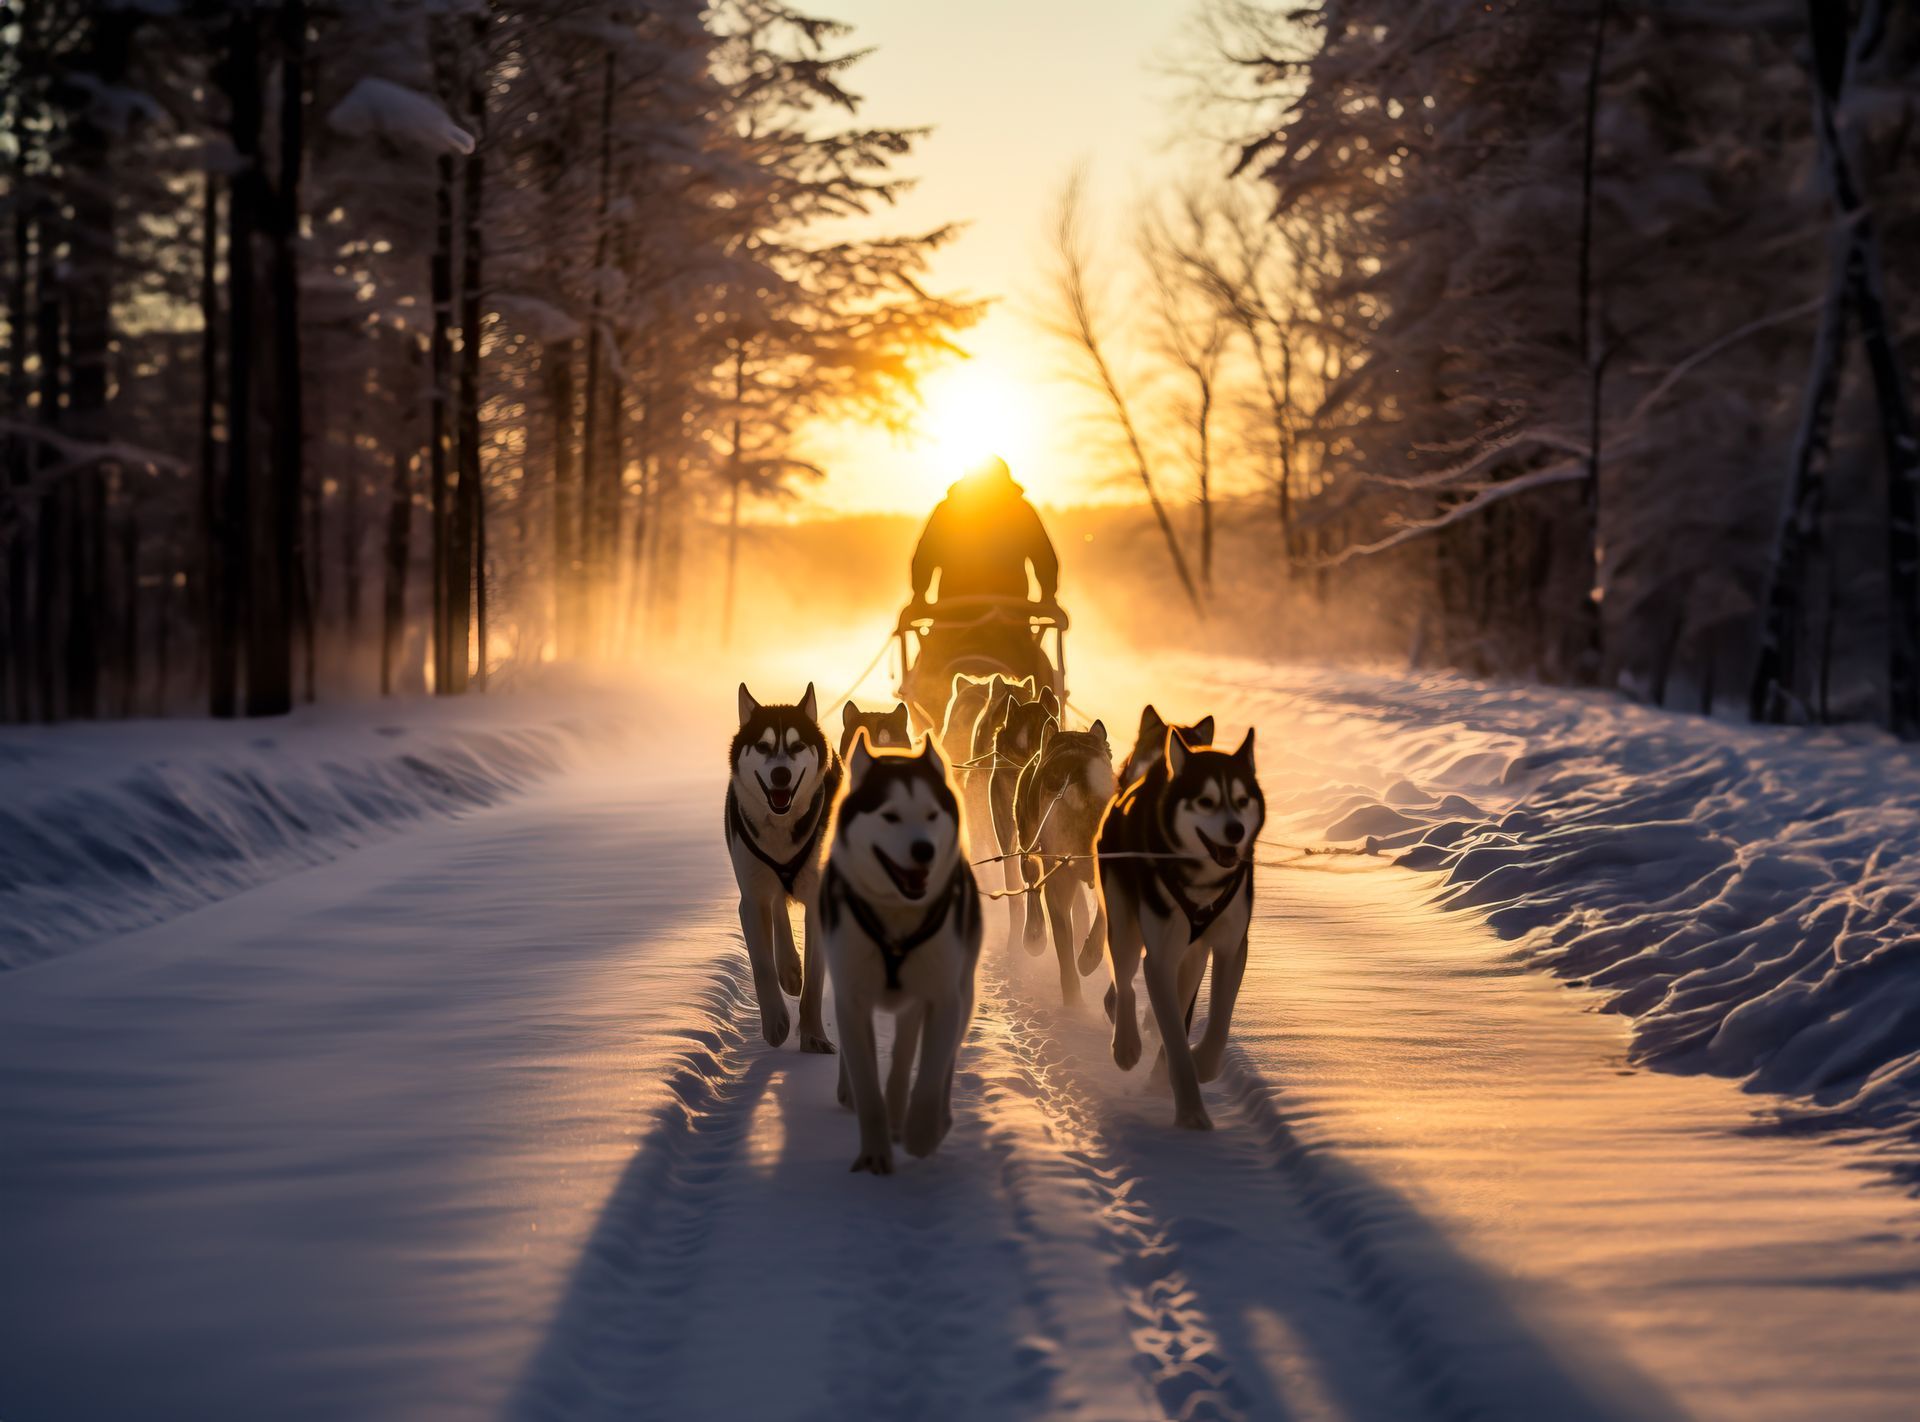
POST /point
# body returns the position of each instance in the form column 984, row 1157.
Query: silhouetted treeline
column 396, row 343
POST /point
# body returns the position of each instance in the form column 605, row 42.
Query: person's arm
column 928, row 553
column 1046, row 562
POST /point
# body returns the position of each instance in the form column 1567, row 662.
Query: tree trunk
column 241, row 76
column 558, row 359
column 1592, row 652
column 472, row 497
column 216, row 535
column 439, row 430
column 399, row 556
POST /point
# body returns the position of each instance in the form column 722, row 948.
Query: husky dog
column 784, row 776
column 901, row 913
column 884, row 728
column 1202, row 809
column 1002, row 692
column 964, row 704
column 1058, row 804
column 1151, row 743
column 1015, row 745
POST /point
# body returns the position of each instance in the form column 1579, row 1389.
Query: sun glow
column 973, row 411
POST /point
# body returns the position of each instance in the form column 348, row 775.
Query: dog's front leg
column 863, row 1076
column 756, row 927
column 1061, row 891
column 1169, row 1012
column 1095, row 943
column 1229, row 967
column 929, row 1114
column 786, row 957
column 1193, row 967
column 906, row 1039
column 1123, row 948
column 813, row 1027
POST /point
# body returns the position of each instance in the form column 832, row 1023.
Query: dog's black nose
column 923, row 851
column 1235, row 831
column 781, row 775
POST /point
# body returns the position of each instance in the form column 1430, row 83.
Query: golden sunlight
column 972, row 411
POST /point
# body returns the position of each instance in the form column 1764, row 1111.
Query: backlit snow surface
column 473, row 1119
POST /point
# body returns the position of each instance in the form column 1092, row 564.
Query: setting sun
column 973, row 411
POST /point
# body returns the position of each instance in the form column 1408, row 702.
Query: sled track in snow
column 1066, row 1251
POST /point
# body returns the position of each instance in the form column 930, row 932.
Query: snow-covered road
column 476, row 1122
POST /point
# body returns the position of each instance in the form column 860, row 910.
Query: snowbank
column 1749, row 897
column 104, row 828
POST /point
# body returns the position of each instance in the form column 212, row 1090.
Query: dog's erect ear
column 1176, row 752
column 1202, row 732
column 809, row 707
column 1245, row 753
column 747, row 704
column 1098, row 730
column 1050, row 700
column 1024, row 686
column 899, row 711
column 1151, row 726
column 859, row 755
column 849, row 716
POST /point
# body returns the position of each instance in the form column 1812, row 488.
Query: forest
column 406, row 345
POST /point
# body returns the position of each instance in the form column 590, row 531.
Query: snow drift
column 1750, row 897
column 107, row 828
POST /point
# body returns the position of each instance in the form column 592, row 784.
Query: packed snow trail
column 477, row 1122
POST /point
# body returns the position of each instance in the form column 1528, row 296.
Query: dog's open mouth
column 779, row 797
column 1225, row 855
column 911, row 882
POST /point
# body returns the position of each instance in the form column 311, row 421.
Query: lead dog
column 901, row 915
column 1191, row 820
column 783, row 777
column 1058, row 805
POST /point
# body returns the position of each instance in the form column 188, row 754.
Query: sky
column 1017, row 95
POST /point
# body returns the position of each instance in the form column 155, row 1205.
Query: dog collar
column 787, row 871
column 1200, row 917
column 893, row 953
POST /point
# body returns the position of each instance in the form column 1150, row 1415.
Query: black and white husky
column 1176, row 876
column 779, row 796
column 901, row 915
column 1058, row 805
column 884, row 728
column 1151, row 742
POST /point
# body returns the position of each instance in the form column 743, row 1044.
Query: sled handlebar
column 953, row 612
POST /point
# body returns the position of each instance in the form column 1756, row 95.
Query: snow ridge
column 1750, row 897
column 114, row 828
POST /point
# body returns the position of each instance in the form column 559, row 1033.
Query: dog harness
column 1200, row 917
column 789, row 870
column 893, row 952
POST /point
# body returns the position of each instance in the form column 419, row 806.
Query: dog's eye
column 932, row 815
column 1207, row 803
column 890, row 817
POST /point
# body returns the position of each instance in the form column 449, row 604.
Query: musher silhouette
column 982, row 541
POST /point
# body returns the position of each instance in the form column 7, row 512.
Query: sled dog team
column 1153, row 864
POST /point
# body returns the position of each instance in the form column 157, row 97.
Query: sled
column 978, row 636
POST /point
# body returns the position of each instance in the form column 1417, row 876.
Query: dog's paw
column 775, row 1024
column 1126, row 1046
column 924, row 1132
column 1091, row 952
column 1192, row 1117
column 876, row 1162
column 815, row 1042
column 791, row 978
